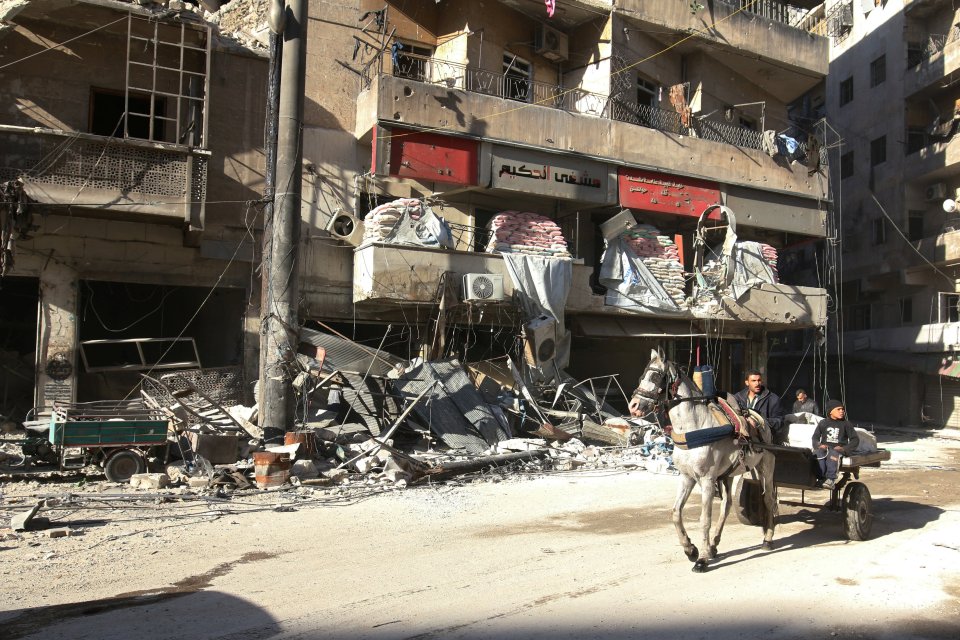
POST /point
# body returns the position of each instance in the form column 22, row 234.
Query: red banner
column 664, row 193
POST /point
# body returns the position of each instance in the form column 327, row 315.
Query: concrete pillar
column 57, row 357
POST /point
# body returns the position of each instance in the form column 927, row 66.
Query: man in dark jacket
column 833, row 438
column 805, row 403
column 757, row 397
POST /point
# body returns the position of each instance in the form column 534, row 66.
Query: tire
column 123, row 464
column 857, row 511
column 749, row 503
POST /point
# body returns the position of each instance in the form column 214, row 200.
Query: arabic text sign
column 548, row 175
column 652, row 191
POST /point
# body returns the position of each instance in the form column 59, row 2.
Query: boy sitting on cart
column 833, row 438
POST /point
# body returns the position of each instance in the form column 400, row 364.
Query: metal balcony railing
column 515, row 87
column 920, row 52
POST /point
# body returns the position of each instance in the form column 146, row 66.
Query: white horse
column 712, row 466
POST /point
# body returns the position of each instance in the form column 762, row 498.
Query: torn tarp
column 629, row 282
column 454, row 410
column 542, row 285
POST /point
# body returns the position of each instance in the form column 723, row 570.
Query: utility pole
column 279, row 322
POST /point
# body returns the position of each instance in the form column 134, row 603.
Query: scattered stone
column 59, row 533
column 198, row 483
column 304, row 469
column 149, row 481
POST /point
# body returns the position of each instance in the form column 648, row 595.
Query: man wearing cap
column 805, row 403
column 757, row 397
column 833, row 438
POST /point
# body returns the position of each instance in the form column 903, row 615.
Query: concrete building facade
column 659, row 108
column 892, row 100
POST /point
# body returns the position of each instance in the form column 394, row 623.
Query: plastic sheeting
column 629, row 283
column 542, row 285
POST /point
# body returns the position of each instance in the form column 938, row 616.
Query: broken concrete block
column 198, row 483
column 177, row 472
column 149, row 481
column 304, row 469
column 58, row 533
column 337, row 475
column 363, row 465
column 21, row 522
column 396, row 475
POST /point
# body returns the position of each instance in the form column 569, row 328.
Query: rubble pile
column 527, row 233
column 660, row 255
column 379, row 223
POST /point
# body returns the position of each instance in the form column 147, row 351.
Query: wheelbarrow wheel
column 857, row 511
column 122, row 465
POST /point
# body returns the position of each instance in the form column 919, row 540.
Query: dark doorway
column 19, row 298
column 139, row 315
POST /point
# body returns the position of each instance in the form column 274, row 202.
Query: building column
column 57, row 359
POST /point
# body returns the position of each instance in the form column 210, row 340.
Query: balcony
column 129, row 178
column 384, row 277
column 930, row 61
column 941, row 249
column 935, row 161
column 604, row 129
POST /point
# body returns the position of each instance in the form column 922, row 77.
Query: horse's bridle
column 665, row 386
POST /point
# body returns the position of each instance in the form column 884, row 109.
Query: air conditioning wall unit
column 550, row 43
column 936, row 191
column 541, row 344
column 483, row 287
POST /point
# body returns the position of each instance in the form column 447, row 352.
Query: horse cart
column 797, row 468
column 119, row 436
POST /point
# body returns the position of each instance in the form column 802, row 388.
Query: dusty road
column 564, row 556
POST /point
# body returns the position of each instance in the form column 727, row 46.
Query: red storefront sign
column 431, row 157
column 663, row 193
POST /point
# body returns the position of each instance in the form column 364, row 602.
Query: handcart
column 797, row 468
column 120, row 436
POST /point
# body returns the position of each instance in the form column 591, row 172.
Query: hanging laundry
column 551, row 7
column 395, row 50
column 787, row 146
column 768, row 143
column 678, row 99
column 525, row 232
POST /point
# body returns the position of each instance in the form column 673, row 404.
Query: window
column 411, row 61
column 846, row 91
column 107, row 115
column 915, row 225
column 879, row 231
column 647, row 93
column 516, row 78
column 916, row 139
column 916, row 52
column 846, row 165
column 950, row 307
column 878, row 151
column 906, row 310
column 858, row 317
column 878, row 71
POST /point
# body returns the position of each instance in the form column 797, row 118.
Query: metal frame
column 190, row 364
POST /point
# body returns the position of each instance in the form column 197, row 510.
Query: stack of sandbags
column 379, row 223
column 660, row 255
column 771, row 257
column 524, row 232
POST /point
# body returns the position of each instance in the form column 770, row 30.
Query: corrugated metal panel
column 941, row 401
column 346, row 355
column 456, row 411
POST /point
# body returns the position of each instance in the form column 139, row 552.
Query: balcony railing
column 71, row 164
column 515, row 87
column 919, row 52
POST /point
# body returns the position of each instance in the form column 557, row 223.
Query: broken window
column 108, row 114
column 411, row 62
column 949, row 307
column 167, row 83
column 516, row 78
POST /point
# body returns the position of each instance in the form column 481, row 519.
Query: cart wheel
column 749, row 503
column 857, row 511
column 122, row 465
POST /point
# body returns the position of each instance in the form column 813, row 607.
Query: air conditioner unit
column 541, row 344
column 550, row 43
column 936, row 191
column 483, row 287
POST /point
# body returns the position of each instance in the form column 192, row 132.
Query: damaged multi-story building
column 630, row 138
